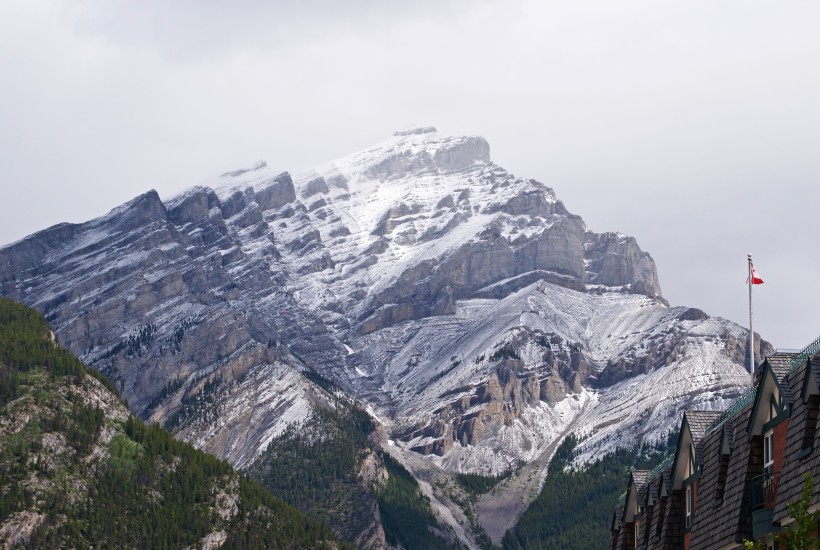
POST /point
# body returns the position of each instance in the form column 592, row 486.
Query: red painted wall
column 779, row 444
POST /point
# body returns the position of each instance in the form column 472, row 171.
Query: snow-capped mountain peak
column 468, row 308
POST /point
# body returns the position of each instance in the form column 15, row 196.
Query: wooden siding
column 794, row 466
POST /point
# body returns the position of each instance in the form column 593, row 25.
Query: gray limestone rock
column 276, row 193
column 616, row 260
column 193, row 207
column 315, row 186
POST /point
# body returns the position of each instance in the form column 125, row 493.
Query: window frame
column 768, row 452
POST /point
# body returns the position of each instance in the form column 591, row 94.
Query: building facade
column 733, row 472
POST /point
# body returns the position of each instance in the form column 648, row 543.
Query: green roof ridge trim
column 744, row 400
column 807, row 352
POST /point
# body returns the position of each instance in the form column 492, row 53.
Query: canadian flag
column 755, row 279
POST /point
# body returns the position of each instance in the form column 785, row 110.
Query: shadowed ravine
column 499, row 509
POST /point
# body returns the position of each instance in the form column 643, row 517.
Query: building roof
column 780, row 363
column 699, row 422
column 726, row 474
column 801, row 426
column 640, row 478
column 812, row 350
column 734, row 410
column 616, row 518
column 723, row 515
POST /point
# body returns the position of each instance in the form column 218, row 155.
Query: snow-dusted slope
column 473, row 313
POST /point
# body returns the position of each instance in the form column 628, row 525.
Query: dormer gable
column 649, row 497
column 685, row 464
column 724, row 451
column 810, row 387
column 663, row 484
column 771, row 404
column 633, row 504
column 617, row 517
column 692, row 430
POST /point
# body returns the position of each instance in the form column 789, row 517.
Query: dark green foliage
column 80, row 425
column 135, row 343
column 504, row 352
column 143, row 489
column 25, row 344
column 575, row 507
column 195, row 406
column 167, row 391
column 174, row 341
column 320, row 381
column 112, row 352
column 477, row 485
column 406, row 513
column 314, row 466
column 800, row 532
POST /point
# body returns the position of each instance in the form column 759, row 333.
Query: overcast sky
column 692, row 125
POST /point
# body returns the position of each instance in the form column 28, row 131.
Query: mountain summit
column 476, row 316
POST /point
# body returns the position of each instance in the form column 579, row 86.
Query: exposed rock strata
column 388, row 272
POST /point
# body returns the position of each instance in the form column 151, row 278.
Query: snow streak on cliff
column 475, row 315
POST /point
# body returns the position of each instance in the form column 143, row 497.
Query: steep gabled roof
column 723, row 515
column 809, row 386
column 802, row 428
column 699, row 421
column 634, row 493
column 641, row 479
column 772, row 387
column 780, row 362
column 692, row 430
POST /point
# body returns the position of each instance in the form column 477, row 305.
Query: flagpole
column 751, row 331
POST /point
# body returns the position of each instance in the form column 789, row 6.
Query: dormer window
column 689, row 506
column 768, row 455
column 811, row 398
column 691, row 467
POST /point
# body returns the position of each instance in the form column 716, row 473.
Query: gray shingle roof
column 780, row 363
column 640, row 478
column 699, row 421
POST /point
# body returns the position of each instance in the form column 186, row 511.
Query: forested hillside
column 329, row 467
column 77, row 470
column 574, row 508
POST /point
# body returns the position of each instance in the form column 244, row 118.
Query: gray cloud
column 691, row 125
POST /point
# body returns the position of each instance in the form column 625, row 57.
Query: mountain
column 78, row 470
column 476, row 317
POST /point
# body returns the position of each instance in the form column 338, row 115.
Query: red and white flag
column 755, row 279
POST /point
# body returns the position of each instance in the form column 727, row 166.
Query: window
column 690, row 505
column 637, row 534
column 812, row 413
column 768, row 456
column 691, row 466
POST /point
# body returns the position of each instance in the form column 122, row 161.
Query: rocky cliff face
column 468, row 307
